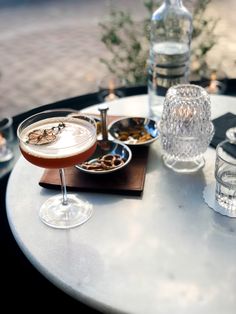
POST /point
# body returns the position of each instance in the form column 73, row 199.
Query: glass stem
column 63, row 187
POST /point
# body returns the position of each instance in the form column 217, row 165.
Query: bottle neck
column 174, row 2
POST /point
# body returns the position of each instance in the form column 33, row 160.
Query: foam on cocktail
column 70, row 146
column 75, row 138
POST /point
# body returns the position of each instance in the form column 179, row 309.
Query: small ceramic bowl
column 134, row 131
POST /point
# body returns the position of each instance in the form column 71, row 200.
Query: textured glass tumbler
column 185, row 127
column 225, row 174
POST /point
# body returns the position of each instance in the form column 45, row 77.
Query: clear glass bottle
column 170, row 38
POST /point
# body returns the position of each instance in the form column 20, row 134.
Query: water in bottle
column 171, row 29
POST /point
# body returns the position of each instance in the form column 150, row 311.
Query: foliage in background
column 204, row 38
column 128, row 42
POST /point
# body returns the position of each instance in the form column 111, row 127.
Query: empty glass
column 185, row 127
column 109, row 88
column 225, row 174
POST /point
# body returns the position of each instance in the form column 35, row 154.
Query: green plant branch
column 128, row 42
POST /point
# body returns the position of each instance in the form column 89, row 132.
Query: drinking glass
column 109, row 88
column 6, row 139
column 185, row 127
column 231, row 135
column 53, row 139
column 225, row 174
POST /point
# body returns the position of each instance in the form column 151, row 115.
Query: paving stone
column 51, row 50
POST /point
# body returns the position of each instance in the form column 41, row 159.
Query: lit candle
column 214, row 86
column 111, row 95
column 184, row 113
column 3, row 144
column 6, row 153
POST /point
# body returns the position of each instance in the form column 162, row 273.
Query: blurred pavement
column 50, row 50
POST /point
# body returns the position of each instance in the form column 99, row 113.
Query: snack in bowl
column 134, row 130
column 105, row 162
column 108, row 157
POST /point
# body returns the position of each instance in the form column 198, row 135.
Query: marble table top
column 164, row 252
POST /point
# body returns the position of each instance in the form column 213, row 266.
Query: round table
column 164, row 252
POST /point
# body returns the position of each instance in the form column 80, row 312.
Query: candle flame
column 2, row 140
column 213, row 76
column 111, row 86
column 184, row 113
column 213, row 87
column 111, row 91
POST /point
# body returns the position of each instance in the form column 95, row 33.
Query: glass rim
column 220, row 157
column 8, row 123
column 174, row 89
column 70, row 111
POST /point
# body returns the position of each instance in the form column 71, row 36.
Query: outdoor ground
column 50, row 50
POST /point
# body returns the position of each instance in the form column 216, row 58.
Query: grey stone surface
column 164, row 252
column 51, row 50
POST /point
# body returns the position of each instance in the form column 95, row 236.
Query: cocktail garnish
column 44, row 136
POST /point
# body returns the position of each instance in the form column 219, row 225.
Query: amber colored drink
column 73, row 144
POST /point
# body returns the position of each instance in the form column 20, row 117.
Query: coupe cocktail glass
column 53, row 139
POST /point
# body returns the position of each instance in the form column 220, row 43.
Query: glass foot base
column 184, row 166
column 54, row 214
